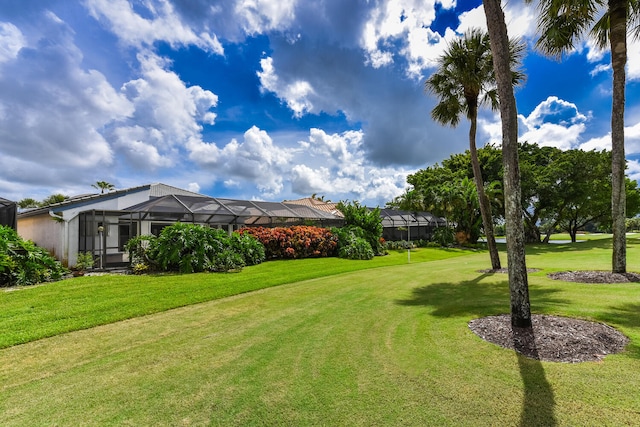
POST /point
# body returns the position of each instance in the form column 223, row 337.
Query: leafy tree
column 464, row 81
column 53, row 199
column 28, row 203
column 561, row 23
column 518, row 280
column 445, row 193
column 103, row 186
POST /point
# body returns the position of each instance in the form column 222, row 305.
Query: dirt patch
column 505, row 270
column 595, row 277
column 552, row 338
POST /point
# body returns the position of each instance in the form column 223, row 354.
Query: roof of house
column 155, row 190
column 314, row 203
column 214, row 210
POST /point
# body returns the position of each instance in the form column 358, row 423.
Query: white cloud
column 167, row 115
column 193, row 186
column 257, row 160
column 52, row 108
column 633, row 170
column 258, row 16
column 554, row 122
column 160, row 24
column 407, row 23
column 296, row 94
column 400, row 20
column 633, row 59
column 343, row 171
column 11, row 41
column 631, row 141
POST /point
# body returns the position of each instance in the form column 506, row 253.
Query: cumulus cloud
column 296, row 93
column 343, row 170
column 256, row 159
column 394, row 112
column 554, row 122
column 166, row 115
column 51, row 108
column 631, row 141
column 148, row 22
column 11, row 41
column 257, row 16
column 633, row 170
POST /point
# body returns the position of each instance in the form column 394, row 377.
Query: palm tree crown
column 103, row 186
column 465, row 77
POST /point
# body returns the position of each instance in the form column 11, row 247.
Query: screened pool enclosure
column 8, row 212
column 105, row 233
column 410, row 226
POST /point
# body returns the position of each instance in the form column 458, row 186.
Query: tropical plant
column 560, row 24
column 23, row 263
column 443, row 236
column 356, row 248
column 191, row 248
column 53, row 199
column 501, row 51
column 27, row 203
column 103, row 186
column 463, row 82
column 84, row 260
column 369, row 220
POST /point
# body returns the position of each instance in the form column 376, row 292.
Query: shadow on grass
column 539, row 402
column 538, row 248
column 627, row 315
column 474, row 298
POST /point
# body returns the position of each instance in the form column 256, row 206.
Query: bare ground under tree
column 554, row 338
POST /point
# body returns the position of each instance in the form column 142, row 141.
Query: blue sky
column 265, row 99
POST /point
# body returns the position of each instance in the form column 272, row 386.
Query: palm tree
column 464, row 81
column 102, row 186
column 560, row 23
column 501, row 52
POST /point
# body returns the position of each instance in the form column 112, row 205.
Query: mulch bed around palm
column 595, row 277
column 552, row 338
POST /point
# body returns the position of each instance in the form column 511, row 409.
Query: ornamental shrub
column 358, row 248
column 23, row 263
column 444, row 236
column 191, row 248
column 300, row 241
column 368, row 220
column 249, row 247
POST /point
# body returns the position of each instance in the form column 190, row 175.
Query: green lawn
column 337, row 343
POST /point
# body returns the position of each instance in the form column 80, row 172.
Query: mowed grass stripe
column 388, row 346
column 42, row 311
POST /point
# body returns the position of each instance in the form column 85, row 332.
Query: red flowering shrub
column 299, row 241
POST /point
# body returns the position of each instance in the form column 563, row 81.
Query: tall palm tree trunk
column 618, row 41
column 483, row 200
column 518, row 280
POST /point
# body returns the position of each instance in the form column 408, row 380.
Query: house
column 103, row 223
